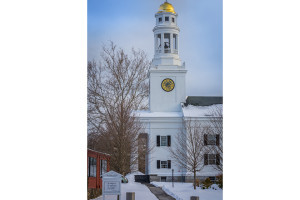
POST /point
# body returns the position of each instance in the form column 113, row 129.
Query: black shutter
column 205, row 159
column 205, row 139
column 169, row 164
column 217, row 139
column 158, row 140
column 169, row 140
column 218, row 159
column 158, row 164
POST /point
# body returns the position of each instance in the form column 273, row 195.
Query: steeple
column 166, row 34
column 167, row 75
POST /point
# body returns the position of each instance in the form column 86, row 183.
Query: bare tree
column 117, row 86
column 189, row 148
column 215, row 130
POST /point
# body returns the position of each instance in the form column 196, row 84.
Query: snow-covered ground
column 183, row 191
column 141, row 191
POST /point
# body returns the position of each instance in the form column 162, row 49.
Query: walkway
column 158, row 192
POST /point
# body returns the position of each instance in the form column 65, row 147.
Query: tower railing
column 168, row 50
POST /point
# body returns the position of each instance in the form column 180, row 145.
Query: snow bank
column 183, row 191
column 200, row 111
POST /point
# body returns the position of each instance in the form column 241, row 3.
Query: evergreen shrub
column 206, row 183
column 220, row 181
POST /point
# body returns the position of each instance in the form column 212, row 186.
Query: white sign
column 111, row 182
column 112, row 187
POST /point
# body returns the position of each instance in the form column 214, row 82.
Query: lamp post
column 172, row 177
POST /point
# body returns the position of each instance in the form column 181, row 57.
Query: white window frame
column 164, row 165
column 212, row 159
column 165, row 140
column 211, row 139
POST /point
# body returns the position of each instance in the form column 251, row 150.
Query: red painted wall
column 96, row 182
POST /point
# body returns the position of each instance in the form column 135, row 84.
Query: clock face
column 167, row 85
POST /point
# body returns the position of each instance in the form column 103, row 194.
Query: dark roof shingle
column 203, row 100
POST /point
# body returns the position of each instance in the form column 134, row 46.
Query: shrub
column 220, row 181
column 206, row 183
column 94, row 193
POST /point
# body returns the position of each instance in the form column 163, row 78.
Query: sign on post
column 111, row 182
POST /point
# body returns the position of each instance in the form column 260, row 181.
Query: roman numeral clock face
column 167, row 85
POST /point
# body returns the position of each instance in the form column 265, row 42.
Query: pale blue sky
column 129, row 23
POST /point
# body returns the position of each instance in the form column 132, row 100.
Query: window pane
column 164, row 164
column 166, row 19
column 211, row 139
column 163, row 141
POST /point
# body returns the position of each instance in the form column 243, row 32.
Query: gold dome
column 166, row 7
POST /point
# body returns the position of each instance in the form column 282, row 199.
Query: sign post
column 111, row 182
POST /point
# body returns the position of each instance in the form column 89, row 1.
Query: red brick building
column 97, row 164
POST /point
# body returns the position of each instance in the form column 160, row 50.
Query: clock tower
column 167, row 74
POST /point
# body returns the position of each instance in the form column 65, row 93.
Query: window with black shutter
column 211, row 139
column 211, row 159
column 158, row 164
column 169, row 140
column 158, row 140
column 169, row 164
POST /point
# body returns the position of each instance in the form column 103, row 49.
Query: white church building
column 168, row 104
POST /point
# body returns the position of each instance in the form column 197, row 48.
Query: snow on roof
column 200, row 111
column 147, row 113
column 98, row 151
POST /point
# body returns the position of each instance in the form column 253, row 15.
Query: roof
column 98, row 152
column 203, row 100
column 202, row 111
column 149, row 114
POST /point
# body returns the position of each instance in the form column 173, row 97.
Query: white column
column 171, row 42
column 155, row 43
column 162, row 42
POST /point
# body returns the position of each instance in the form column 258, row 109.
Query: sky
column 129, row 23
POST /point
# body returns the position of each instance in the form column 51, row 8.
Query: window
column 163, row 140
column 173, row 19
column 166, row 19
column 211, row 139
column 92, row 167
column 103, row 169
column 164, row 164
column 211, row 159
column 160, row 19
column 163, row 179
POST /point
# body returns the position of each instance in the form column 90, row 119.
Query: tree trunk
column 194, row 179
